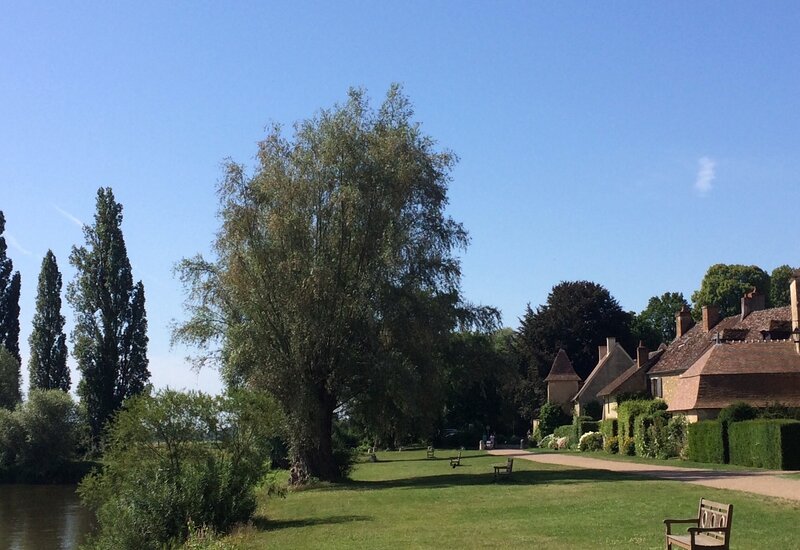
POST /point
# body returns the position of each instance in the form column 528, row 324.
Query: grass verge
column 405, row 500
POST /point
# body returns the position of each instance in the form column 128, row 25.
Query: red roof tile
column 684, row 351
column 753, row 372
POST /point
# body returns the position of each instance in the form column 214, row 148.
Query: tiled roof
column 753, row 372
column 632, row 380
column 562, row 369
column 684, row 351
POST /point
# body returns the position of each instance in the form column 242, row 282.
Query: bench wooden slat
column 712, row 527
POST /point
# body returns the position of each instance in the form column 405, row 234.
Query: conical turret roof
column 562, row 369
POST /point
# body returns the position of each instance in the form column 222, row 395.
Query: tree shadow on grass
column 520, row 477
column 264, row 524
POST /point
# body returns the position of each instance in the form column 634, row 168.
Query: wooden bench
column 429, row 454
column 456, row 461
column 712, row 527
column 503, row 469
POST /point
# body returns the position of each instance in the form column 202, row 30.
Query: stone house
column 752, row 357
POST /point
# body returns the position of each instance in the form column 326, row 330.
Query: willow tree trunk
column 312, row 457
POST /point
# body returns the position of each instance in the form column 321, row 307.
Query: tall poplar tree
column 48, row 361
column 110, row 336
column 9, row 298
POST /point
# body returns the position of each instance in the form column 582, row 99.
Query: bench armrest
column 668, row 523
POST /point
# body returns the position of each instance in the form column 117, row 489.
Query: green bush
column 771, row 444
column 174, row 460
column 38, row 439
column 608, row 427
column 651, row 435
column 591, row 441
column 581, row 425
column 628, row 411
column 707, row 442
column 676, row 436
column 611, row 444
column 737, row 412
column 550, row 417
column 627, row 447
column 12, row 440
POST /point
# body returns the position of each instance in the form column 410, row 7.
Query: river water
column 41, row 517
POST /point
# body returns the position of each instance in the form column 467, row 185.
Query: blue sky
column 629, row 143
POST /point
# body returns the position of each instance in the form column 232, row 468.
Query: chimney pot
column 683, row 321
column 642, row 355
column 710, row 317
column 753, row 301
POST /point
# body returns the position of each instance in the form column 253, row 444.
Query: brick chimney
column 753, row 301
column 794, row 292
column 602, row 351
column 710, row 317
column 642, row 355
column 683, row 321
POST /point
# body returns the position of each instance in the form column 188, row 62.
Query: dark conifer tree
column 110, row 336
column 48, row 361
column 9, row 298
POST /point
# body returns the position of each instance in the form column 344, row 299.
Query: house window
column 656, row 388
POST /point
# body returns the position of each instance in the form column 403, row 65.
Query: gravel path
column 761, row 482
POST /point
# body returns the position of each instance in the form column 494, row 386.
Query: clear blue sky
column 629, row 143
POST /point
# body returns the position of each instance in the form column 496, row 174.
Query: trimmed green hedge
column 650, row 435
column 629, row 410
column 608, row 428
column 583, row 424
column 765, row 444
column 707, row 442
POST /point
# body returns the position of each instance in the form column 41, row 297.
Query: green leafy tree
column 577, row 317
column 336, row 285
column 48, row 361
column 110, row 336
column 724, row 285
column 779, row 286
column 10, row 395
column 9, row 298
column 656, row 323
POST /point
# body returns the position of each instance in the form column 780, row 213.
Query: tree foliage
column 577, row 317
column 48, row 360
column 38, row 440
column 176, row 459
column 336, row 286
column 724, row 285
column 658, row 319
column 10, row 394
column 9, row 298
column 110, row 336
column 779, row 281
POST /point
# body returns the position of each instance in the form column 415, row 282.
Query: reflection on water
column 41, row 517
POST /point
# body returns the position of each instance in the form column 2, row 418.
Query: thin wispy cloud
column 14, row 243
column 705, row 175
column 69, row 216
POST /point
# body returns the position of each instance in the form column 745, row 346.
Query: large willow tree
column 335, row 285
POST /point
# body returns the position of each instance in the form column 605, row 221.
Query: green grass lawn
column 407, row 501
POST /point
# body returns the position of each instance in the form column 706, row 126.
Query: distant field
column 407, row 501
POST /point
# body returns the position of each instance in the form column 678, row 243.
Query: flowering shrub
column 591, row 441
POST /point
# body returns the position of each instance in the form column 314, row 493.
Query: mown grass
column 407, row 501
